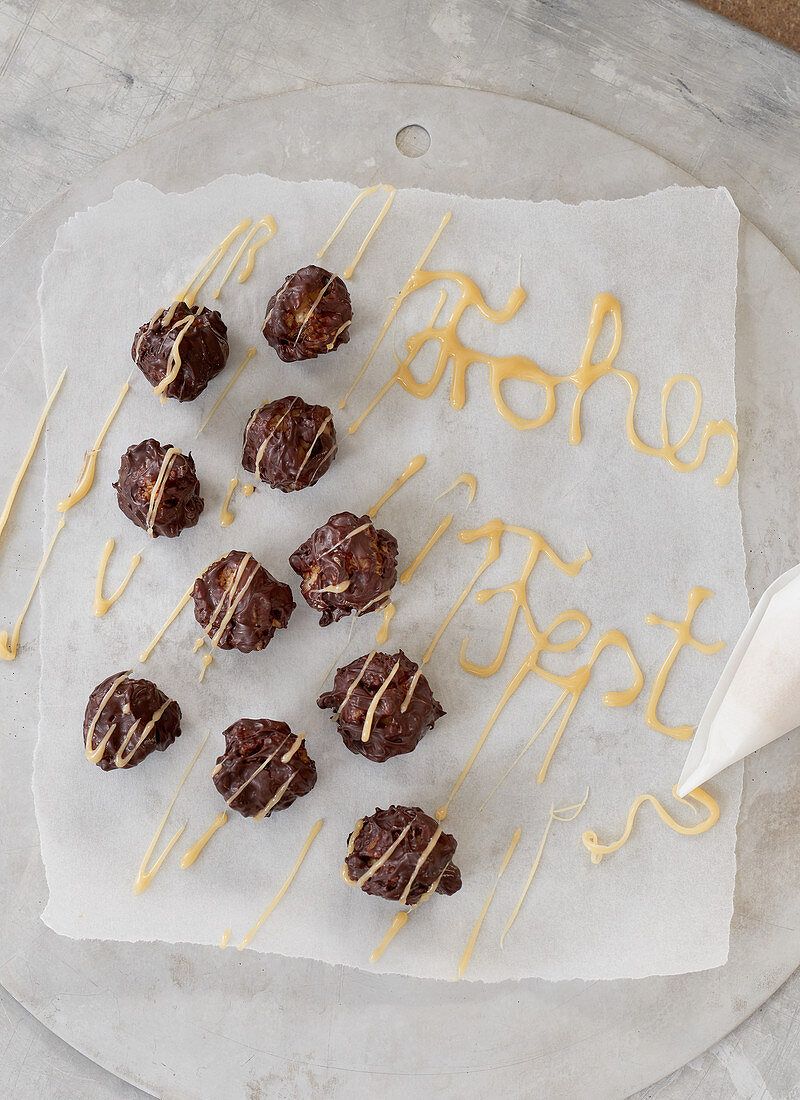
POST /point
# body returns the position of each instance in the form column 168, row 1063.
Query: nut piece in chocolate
column 264, row 767
column 421, row 862
column 391, row 730
column 126, row 720
column 346, row 565
column 181, row 349
column 289, row 443
column 157, row 488
column 309, row 316
column 239, row 604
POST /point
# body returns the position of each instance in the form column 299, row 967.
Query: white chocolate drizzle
column 248, row 356
column 286, row 884
column 356, row 682
column 145, row 877
column 191, row 854
column 413, row 467
column 421, row 863
column 159, row 488
column 370, row 715
column 565, row 813
column 388, row 614
column 469, row 480
column 407, row 574
column 102, row 603
column 8, row 649
column 170, row 620
column 267, row 223
column 307, row 455
column 390, row 193
column 464, row 961
column 120, row 759
column 226, row 516
column 270, row 434
column 234, row 596
column 86, row 476
column 26, row 461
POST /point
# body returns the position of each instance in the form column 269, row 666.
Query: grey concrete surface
column 84, row 79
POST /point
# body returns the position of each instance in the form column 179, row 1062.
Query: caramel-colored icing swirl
column 597, row 850
column 572, row 686
column 503, row 368
column 683, row 637
column 494, row 531
column 589, row 372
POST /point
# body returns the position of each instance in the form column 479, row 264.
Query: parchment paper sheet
column 670, row 258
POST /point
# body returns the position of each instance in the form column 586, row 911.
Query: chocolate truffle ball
column 188, row 346
column 238, row 592
column 129, row 719
column 309, row 316
column 392, row 730
column 157, row 488
column 289, row 443
column 264, row 761
column 405, row 876
column 346, row 565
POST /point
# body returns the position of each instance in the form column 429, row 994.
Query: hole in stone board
column 413, row 140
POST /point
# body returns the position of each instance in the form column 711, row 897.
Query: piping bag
column 757, row 698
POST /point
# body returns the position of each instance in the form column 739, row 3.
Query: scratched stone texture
column 85, row 79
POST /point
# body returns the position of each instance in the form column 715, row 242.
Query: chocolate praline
column 393, row 731
column 346, row 565
column 195, row 338
column 259, row 603
column 126, row 718
column 255, row 763
column 179, row 502
column 375, row 835
column 308, row 316
column 289, row 443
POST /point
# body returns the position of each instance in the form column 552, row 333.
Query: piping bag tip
column 756, row 699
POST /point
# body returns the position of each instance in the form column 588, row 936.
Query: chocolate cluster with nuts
column 190, row 343
column 157, row 488
column 289, row 444
column 308, row 316
column 135, row 719
column 263, row 768
column 239, row 604
column 347, row 565
column 400, row 718
column 408, row 873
